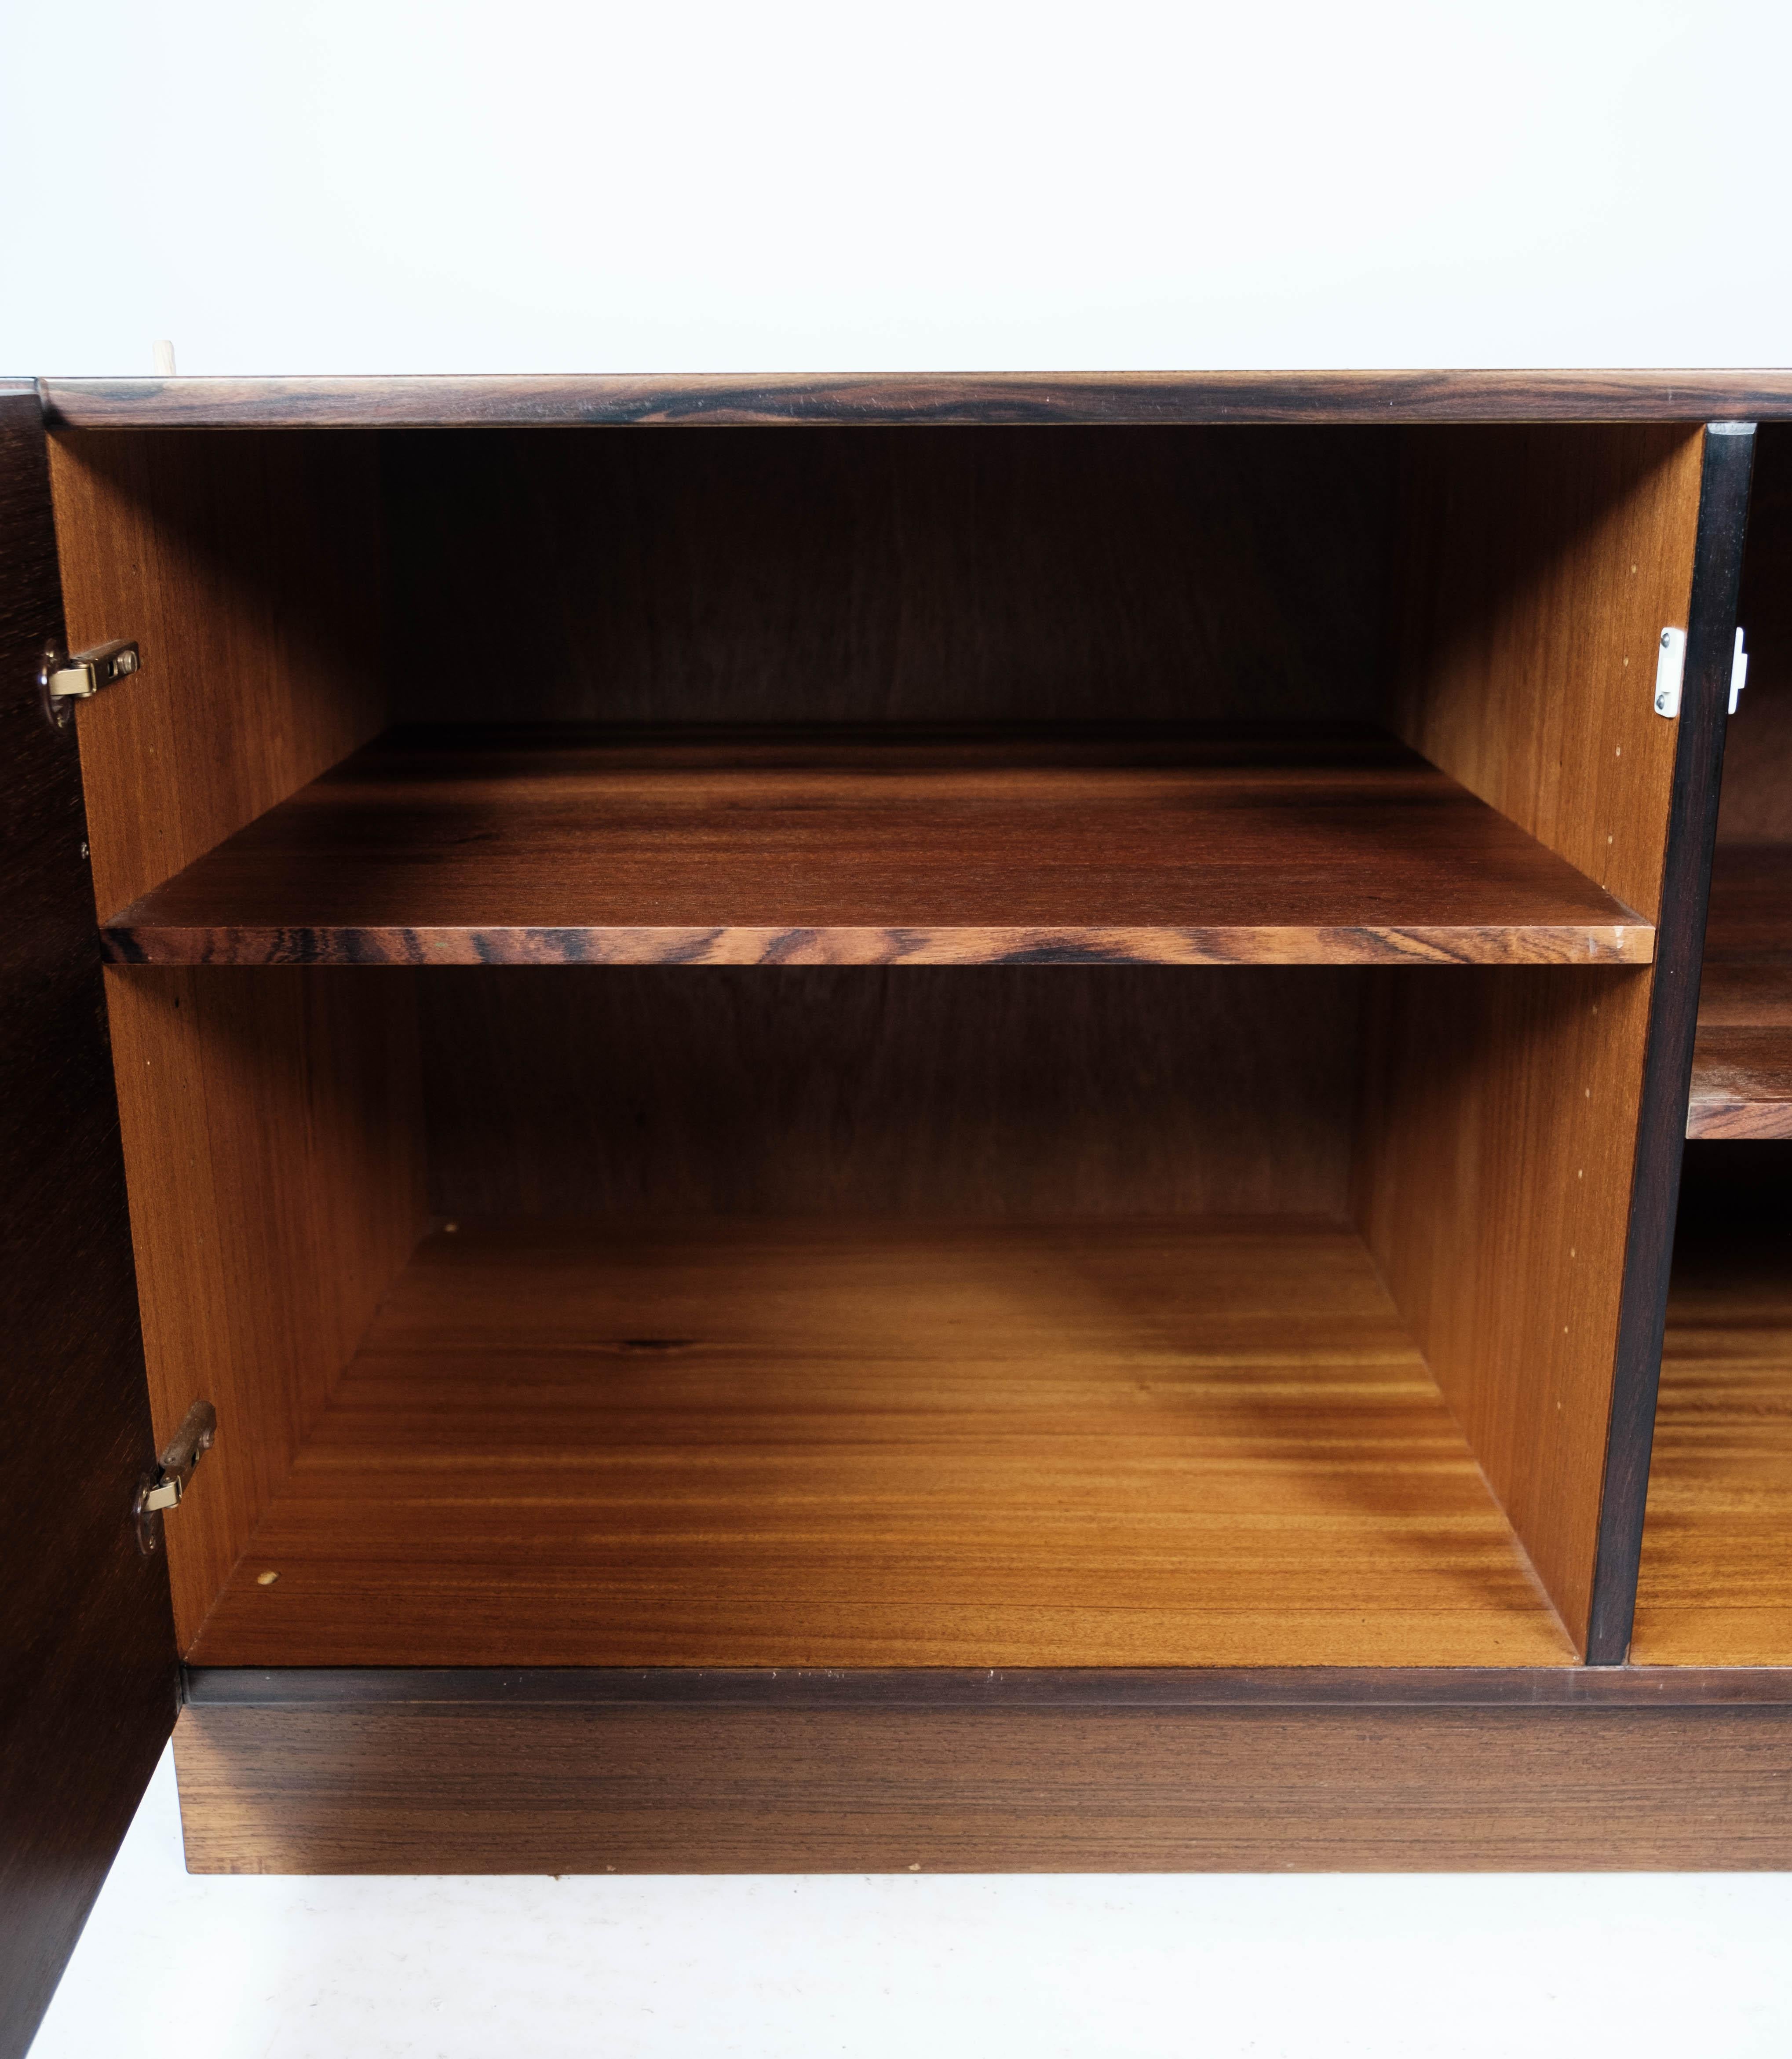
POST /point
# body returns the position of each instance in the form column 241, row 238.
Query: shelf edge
column 127, row 941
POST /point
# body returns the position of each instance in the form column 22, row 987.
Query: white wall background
column 388, row 185
column 555, row 185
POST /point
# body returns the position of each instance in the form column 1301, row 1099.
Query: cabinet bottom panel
column 364, row 1786
column 742, row 1443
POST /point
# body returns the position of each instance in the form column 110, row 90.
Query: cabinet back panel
column 248, row 568
column 1757, row 806
column 273, row 1147
column 1040, row 1091
column 913, row 573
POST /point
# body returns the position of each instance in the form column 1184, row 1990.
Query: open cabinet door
column 88, row 1678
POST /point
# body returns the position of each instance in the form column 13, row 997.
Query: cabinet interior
column 1715, row 1586
column 1715, row 1583
column 1031, row 1037
column 1741, row 1085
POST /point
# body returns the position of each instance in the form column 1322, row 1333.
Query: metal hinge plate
column 64, row 678
column 1671, row 671
column 163, row 1489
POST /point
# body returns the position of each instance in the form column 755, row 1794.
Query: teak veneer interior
column 1716, row 1583
column 1742, row 1080
column 1066, row 1105
column 1367, row 704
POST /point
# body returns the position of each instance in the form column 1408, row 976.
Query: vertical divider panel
column 1542, row 563
column 1680, row 945
column 1500, row 1116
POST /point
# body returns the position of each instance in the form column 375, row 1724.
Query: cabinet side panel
column 87, row 1672
column 1494, row 1174
column 247, row 566
column 1543, row 563
column 570, row 1790
column 273, row 1139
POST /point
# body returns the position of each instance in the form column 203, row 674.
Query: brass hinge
column 163, row 1489
column 63, row 680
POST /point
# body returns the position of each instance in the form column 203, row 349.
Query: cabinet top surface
column 950, row 399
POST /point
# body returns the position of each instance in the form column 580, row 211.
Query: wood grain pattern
column 87, row 1671
column 887, row 576
column 1748, row 936
column 1741, row 1083
column 1715, row 1586
column 750, row 1444
column 528, row 402
column 993, row 1093
column 476, row 847
column 1758, row 754
column 273, row 1143
column 572, row 1789
column 247, row 567
column 1498, row 1127
column 1542, row 566
column 1500, row 1122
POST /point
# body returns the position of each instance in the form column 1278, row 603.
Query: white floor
column 1272, row 1967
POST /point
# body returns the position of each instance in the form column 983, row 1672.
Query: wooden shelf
column 763, row 1443
column 531, row 846
column 1715, row 1588
column 1741, row 1073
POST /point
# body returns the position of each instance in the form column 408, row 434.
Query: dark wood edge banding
column 1318, row 1687
column 524, row 401
column 1729, row 460
column 129, row 941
